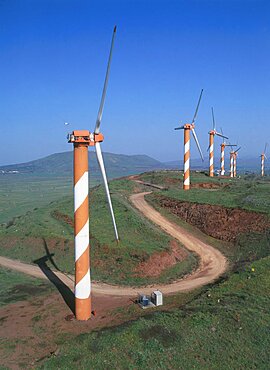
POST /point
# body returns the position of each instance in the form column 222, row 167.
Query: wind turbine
column 233, row 156
column 212, row 133
column 222, row 154
column 187, row 128
column 263, row 157
column 81, row 140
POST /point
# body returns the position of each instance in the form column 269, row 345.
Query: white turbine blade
column 265, row 148
column 197, row 108
column 221, row 135
column 213, row 118
column 100, row 112
column 197, row 143
column 103, row 172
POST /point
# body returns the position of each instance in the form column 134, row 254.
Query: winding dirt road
column 212, row 262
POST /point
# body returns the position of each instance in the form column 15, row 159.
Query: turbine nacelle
column 187, row 126
column 85, row 137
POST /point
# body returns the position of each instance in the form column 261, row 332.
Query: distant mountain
column 117, row 165
column 61, row 164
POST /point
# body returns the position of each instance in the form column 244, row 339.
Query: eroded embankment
column 219, row 222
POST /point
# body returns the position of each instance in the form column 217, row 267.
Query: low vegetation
column 15, row 286
column 247, row 193
column 225, row 327
column 47, row 232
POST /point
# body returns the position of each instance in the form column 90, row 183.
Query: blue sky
column 53, row 61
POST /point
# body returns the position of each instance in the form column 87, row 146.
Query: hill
column 61, row 164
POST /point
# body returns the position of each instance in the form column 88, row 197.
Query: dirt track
column 212, row 262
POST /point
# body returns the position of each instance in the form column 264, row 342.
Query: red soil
column 34, row 327
column 62, row 217
column 219, row 222
column 205, row 185
column 160, row 261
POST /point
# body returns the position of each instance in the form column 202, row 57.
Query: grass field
column 15, row 286
column 45, row 231
column 248, row 192
column 225, row 327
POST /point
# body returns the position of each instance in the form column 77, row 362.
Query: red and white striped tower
column 211, row 153
column 234, row 164
column 235, row 154
column 212, row 134
column 231, row 164
column 262, row 164
column 81, row 227
column 186, row 185
column 222, row 161
column 263, row 157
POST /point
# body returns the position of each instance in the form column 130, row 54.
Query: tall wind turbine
column 187, row 128
column 222, row 154
column 81, row 140
column 212, row 134
column 263, row 157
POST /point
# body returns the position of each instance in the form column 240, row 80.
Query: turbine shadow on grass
column 63, row 289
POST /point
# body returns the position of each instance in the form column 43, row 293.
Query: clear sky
column 53, row 62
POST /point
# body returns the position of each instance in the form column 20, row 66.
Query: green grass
column 27, row 238
column 248, row 192
column 20, row 193
column 15, row 286
column 225, row 327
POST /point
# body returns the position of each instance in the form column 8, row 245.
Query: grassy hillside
column 48, row 230
column 248, row 193
column 222, row 326
column 61, row 164
column 225, row 327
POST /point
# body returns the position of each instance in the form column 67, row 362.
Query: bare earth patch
column 160, row 261
column 205, row 185
column 30, row 330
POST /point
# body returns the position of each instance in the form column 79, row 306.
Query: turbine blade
column 213, row 118
column 103, row 172
column 180, row 128
column 197, row 142
column 265, row 148
column 196, row 111
column 100, row 112
column 221, row 135
column 237, row 150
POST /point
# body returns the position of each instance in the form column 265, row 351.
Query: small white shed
column 157, row 298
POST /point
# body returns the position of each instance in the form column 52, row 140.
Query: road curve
column 212, row 262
